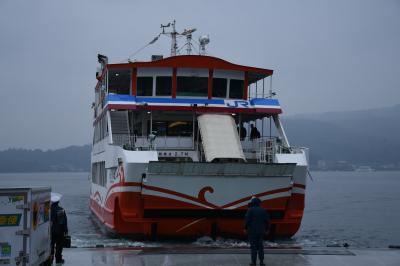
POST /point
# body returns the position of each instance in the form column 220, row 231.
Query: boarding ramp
column 220, row 137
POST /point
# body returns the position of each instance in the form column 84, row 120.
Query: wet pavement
column 235, row 256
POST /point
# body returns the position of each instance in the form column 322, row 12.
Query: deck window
column 145, row 86
column 119, row 81
column 163, row 86
column 219, row 87
column 99, row 173
column 173, row 128
column 192, row 86
column 100, row 129
column 180, row 128
column 236, row 89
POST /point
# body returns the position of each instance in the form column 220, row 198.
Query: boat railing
column 298, row 149
column 264, row 148
column 136, row 142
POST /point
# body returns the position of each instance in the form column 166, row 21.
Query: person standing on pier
column 256, row 226
column 59, row 228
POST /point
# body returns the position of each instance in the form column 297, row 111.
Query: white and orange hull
column 197, row 203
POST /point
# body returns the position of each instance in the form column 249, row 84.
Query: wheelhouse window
column 219, row 87
column 163, row 86
column 119, row 81
column 236, row 89
column 192, row 86
column 145, row 86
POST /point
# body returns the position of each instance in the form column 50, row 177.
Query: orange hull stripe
column 299, row 185
column 185, row 196
column 257, row 195
column 171, row 192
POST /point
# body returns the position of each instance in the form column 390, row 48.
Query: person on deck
column 242, row 132
column 254, row 133
column 59, row 228
column 256, row 226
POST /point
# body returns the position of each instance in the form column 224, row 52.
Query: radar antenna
column 188, row 34
column 203, row 40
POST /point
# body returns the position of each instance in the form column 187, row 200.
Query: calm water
column 361, row 209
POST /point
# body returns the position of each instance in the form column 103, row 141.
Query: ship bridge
column 186, row 82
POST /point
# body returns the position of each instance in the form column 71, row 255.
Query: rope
column 140, row 49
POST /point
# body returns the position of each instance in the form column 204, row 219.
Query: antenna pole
column 202, row 49
column 187, row 32
column 189, row 43
column 174, row 46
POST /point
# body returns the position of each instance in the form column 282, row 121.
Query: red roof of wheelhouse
column 197, row 61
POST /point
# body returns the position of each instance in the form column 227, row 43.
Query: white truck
column 25, row 226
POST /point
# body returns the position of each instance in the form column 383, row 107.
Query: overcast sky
column 327, row 55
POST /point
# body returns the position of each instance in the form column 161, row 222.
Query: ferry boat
column 181, row 144
column 364, row 168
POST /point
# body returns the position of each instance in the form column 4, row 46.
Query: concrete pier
column 236, row 256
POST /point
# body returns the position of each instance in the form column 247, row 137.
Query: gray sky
column 327, row 55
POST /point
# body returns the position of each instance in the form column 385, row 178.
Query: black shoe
column 252, row 264
column 262, row 264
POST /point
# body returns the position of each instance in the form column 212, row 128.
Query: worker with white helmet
column 59, row 227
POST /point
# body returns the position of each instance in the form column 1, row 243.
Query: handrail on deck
column 136, row 142
column 262, row 149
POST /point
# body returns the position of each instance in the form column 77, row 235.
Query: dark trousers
column 57, row 244
column 257, row 246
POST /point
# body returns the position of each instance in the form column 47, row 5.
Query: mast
column 188, row 34
column 173, row 35
column 174, row 46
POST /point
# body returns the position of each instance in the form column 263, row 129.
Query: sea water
column 361, row 209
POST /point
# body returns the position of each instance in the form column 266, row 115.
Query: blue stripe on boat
column 131, row 98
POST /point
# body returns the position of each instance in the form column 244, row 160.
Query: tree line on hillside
column 343, row 139
column 70, row 159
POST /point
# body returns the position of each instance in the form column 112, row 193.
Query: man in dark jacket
column 254, row 133
column 59, row 228
column 256, row 224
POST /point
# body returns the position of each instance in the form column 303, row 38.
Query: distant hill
column 369, row 137
column 73, row 158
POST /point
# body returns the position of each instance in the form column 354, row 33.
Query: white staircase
column 120, row 127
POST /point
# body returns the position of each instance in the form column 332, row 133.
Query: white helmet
column 55, row 197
